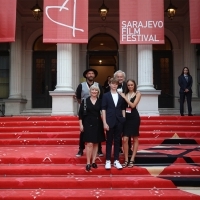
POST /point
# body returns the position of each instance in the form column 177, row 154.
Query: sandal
column 94, row 165
column 125, row 164
column 88, row 168
column 131, row 164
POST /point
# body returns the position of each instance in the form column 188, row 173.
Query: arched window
column 103, row 56
column 166, row 46
column 102, row 42
column 40, row 46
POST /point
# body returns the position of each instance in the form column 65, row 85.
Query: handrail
column 1, row 111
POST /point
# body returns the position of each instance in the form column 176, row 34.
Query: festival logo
column 141, row 22
column 65, row 21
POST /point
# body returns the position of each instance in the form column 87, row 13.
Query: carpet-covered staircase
column 37, row 161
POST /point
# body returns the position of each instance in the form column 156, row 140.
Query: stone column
column 178, row 63
column 149, row 102
column 122, row 58
column 131, row 60
column 145, row 67
column 75, row 72
column 190, row 61
column 15, row 104
column 62, row 96
column 64, row 67
column 28, row 78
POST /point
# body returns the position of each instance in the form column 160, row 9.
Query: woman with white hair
column 91, row 124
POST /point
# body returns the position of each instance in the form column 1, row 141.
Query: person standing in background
column 82, row 92
column 106, row 85
column 185, row 82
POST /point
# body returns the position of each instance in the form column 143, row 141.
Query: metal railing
column 2, row 109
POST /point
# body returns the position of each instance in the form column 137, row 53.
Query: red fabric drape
column 7, row 20
column 65, row 21
column 194, row 21
column 141, row 22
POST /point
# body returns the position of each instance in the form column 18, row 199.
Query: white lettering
column 134, row 24
column 123, row 24
column 133, row 30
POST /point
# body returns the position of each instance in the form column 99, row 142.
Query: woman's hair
column 108, row 77
column 135, row 86
column 114, row 80
column 96, row 88
column 183, row 71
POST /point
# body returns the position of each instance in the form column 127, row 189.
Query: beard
column 90, row 78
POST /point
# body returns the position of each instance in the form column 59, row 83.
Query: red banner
column 7, row 20
column 142, row 22
column 65, row 21
column 194, row 21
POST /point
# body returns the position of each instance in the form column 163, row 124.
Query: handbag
column 84, row 107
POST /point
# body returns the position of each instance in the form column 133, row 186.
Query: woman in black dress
column 132, row 124
column 185, row 82
column 106, row 85
column 92, row 126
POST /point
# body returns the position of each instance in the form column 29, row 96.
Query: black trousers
column 82, row 144
column 188, row 96
column 113, row 134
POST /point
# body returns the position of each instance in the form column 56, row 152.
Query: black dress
column 92, row 122
column 106, row 87
column 132, row 124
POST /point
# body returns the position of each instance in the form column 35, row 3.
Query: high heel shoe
column 131, row 164
column 125, row 164
column 88, row 167
column 94, row 165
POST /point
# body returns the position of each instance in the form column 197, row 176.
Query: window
column 4, row 70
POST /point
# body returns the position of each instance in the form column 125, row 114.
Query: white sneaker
column 108, row 164
column 117, row 164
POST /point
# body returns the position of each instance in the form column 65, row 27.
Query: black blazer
column 123, row 86
column 185, row 84
column 119, row 86
column 113, row 114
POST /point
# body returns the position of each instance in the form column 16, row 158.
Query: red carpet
column 37, row 161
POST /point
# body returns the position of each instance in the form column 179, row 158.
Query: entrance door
column 107, row 66
column 163, row 77
column 103, row 56
column 44, row 78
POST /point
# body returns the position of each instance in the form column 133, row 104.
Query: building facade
column 40, row 78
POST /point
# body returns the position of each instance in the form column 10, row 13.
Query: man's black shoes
column 80, row 153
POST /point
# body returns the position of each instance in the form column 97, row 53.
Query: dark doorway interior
column 103, row 56
column 44, row 78
column 163, row 77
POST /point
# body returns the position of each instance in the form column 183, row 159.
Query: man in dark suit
column 113, row 115
column 185, row 82
column 120, row 76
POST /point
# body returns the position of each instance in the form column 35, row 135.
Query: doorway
column 44, row 74
column 163, row 73
column 103, row 56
